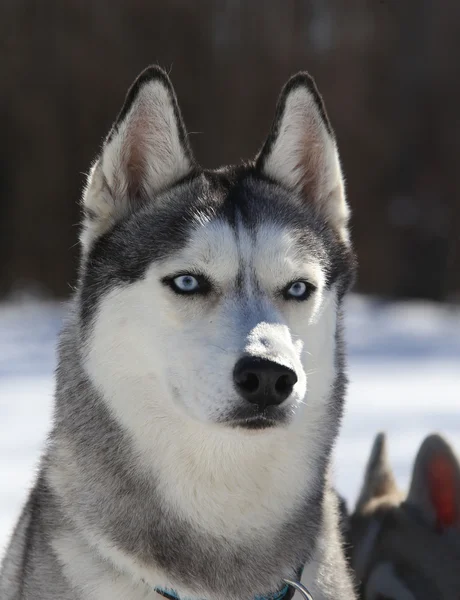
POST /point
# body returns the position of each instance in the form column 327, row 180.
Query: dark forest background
column 389, row 71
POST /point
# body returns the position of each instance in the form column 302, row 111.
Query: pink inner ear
column 441, row 481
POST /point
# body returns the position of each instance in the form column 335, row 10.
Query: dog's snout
column 263, row 382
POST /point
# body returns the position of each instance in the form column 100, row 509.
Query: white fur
column 304, row 158
column 100, row 581
column 147, row 340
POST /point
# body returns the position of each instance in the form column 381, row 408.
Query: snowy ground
column 404, row 372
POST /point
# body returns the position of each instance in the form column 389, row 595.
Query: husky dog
column 408, row 548
column 200, row 382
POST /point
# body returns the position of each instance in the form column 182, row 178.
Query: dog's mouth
column 254, row 419
column 255, row 423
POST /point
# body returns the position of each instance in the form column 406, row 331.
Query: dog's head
column 408, row 548
column 214, row 293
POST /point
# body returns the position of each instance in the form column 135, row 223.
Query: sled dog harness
column 286, row 593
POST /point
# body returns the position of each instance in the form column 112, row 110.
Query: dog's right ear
column 301, row 154
column 145, row 152
column 379, row 480
column 435, row 486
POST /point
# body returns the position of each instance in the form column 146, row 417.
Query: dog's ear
column 435, row 486
column 301, row 154
column 145, row 152
column 379, row 480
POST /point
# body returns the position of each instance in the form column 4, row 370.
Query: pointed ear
column 301, row 154
column 435, row 486
column 378, row 478
column 145, row 152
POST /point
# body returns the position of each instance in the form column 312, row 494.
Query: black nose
column 263, row 381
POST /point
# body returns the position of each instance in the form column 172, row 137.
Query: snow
column 404, row 379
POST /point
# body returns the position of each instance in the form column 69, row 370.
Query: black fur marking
column 238, row 197
column 302, row 79
column 239, row 282
column 122, row 255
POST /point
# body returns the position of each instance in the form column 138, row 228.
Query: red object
column 441, row 478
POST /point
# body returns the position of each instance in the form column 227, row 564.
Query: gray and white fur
column 193, row 429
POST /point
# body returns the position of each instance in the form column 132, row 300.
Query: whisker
column 220, row 348
column 312, row 372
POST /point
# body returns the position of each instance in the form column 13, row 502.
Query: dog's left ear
column 435, row 486
column 301, row 154
column 145, row 152
column 379, row 480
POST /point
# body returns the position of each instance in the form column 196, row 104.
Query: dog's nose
column 263, row 382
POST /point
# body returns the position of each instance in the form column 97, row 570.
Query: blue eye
column 298, row 290
column 188, row 284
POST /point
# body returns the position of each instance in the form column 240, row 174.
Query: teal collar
column 286, row 593
column 283, row 594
